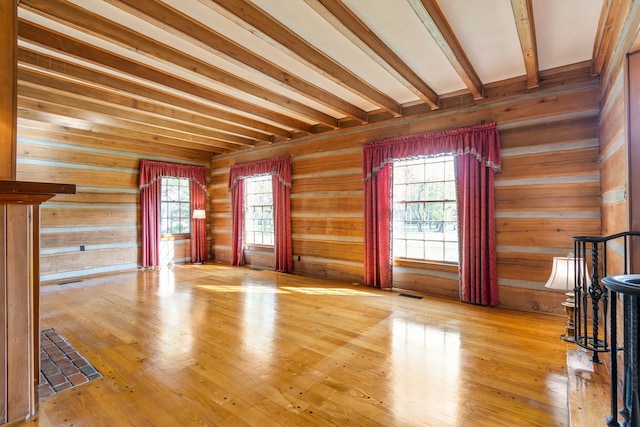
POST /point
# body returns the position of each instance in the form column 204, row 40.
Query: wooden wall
column 104, row 215
column 616, row 151
column 548, row 191
column 619, row 149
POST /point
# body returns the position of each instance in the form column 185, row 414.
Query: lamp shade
column 199, row 214
column 563, row 273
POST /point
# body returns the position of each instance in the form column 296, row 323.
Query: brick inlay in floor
column 61, row 366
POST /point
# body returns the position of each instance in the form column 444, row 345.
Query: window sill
column 432, row 265
column 168, row 237
column 259, row 248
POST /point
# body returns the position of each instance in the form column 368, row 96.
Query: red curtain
column 477, row 231
column 280, row 169
column 151, row 173
column 198, row 200
column 480, row 146
column 378, row 269
column 237, row 210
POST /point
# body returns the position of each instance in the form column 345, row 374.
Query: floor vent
column 411, row 296
column 69, row 282
column 255, row 268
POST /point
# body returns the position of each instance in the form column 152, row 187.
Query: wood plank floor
column 219, row 346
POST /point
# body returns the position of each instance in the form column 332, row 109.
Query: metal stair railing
column 596, row 316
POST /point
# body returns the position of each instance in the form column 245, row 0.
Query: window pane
column 415, row 173
column 434, row 172
column 259, row 210
column 399, row 174
column 425, row 209
column 450, row 190
column 399, row 248
column 415, row 249
column 449, row 171
column 175, row 209
column 451, row 251
column 435, row 191
column 435, row 249
column 450, row 211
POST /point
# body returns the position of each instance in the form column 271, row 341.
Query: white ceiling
column 486, row 30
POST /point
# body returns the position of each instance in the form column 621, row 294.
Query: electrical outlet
column 81, row 248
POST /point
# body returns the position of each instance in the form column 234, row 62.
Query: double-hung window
column 258, row 211
column 425, row 225
column 175, row 208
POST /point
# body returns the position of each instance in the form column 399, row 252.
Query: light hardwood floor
column 219, row 346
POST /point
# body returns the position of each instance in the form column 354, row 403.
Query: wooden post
column 19, row 295
column 19, row 246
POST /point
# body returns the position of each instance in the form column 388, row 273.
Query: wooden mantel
column 20, row 295
column 32, row 192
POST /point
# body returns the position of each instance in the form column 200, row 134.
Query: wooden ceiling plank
column 41, row 131
column 221, row 119
column 100, row 121
column 344, row 20
column 133, row 104
column 269, row 29
column 95, row 105
column 523, row 14
column 84, row 20
column 176, row 23
column 100, row 130
column 77, row 49
column 436, row 24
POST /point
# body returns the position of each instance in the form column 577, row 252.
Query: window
column 258, row 211
column 425, row 225
column 175, row 209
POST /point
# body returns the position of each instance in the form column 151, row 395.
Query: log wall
column 104, row 216
column 548, row 191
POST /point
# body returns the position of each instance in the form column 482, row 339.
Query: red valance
column 280, row 170
column 477, row 151
column 481, row 141
column 280, row 167
column 151, row 171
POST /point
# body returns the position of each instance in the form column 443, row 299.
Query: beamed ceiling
column 230, row 75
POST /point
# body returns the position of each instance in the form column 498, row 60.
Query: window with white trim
column 425, row 223
column 258, row 211
column 175, row 207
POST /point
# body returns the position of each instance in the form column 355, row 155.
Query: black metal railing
column 596, row 315
column 629, row 286
column 592, row 319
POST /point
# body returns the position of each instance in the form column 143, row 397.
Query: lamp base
column 569, row 309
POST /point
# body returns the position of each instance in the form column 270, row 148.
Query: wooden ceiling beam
column 176, row 23
column 82, row 19
column 42, row 131
column 344, row 20
column 218, row 119
column 101, row 122
column 523, row 14
column 77, row 49
column 96, row 105
column 273, row 32
column 89, row 127
column 611, row 10
column 434, row 21
column 172, row 115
